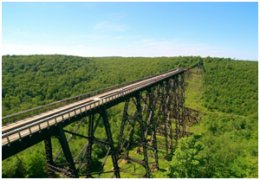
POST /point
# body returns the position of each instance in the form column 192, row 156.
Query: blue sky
column 131, row 29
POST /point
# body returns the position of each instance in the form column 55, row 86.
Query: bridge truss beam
column 150, row 112
column 146, row 115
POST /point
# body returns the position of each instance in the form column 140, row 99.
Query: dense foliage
column 29, row 81
column 231, row 86
column 223, row 144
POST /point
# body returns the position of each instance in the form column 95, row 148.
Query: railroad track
column 28, row 126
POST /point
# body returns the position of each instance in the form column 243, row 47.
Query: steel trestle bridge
column 152, row 106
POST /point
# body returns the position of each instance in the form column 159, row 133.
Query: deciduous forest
column 224, row 143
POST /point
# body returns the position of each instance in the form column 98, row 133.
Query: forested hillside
column 222, row 144
column 231, row 86
column 29, row 81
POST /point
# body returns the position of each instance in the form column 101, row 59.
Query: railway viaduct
column 153, row 107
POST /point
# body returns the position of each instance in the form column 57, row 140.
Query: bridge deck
column 28, row 126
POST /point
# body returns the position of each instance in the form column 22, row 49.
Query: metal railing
column 39, row 124
column 40, row 109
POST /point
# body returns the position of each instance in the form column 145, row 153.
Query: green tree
column 187, row 161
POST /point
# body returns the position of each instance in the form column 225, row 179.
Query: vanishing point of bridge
column 152, row 106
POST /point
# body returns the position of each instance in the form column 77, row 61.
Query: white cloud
column 130, row 46
column 110, row 26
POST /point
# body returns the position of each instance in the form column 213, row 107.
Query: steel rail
column 72, row 99
column 29, row 122
column 103, row 96
column 86, row 105
column 106, row 96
